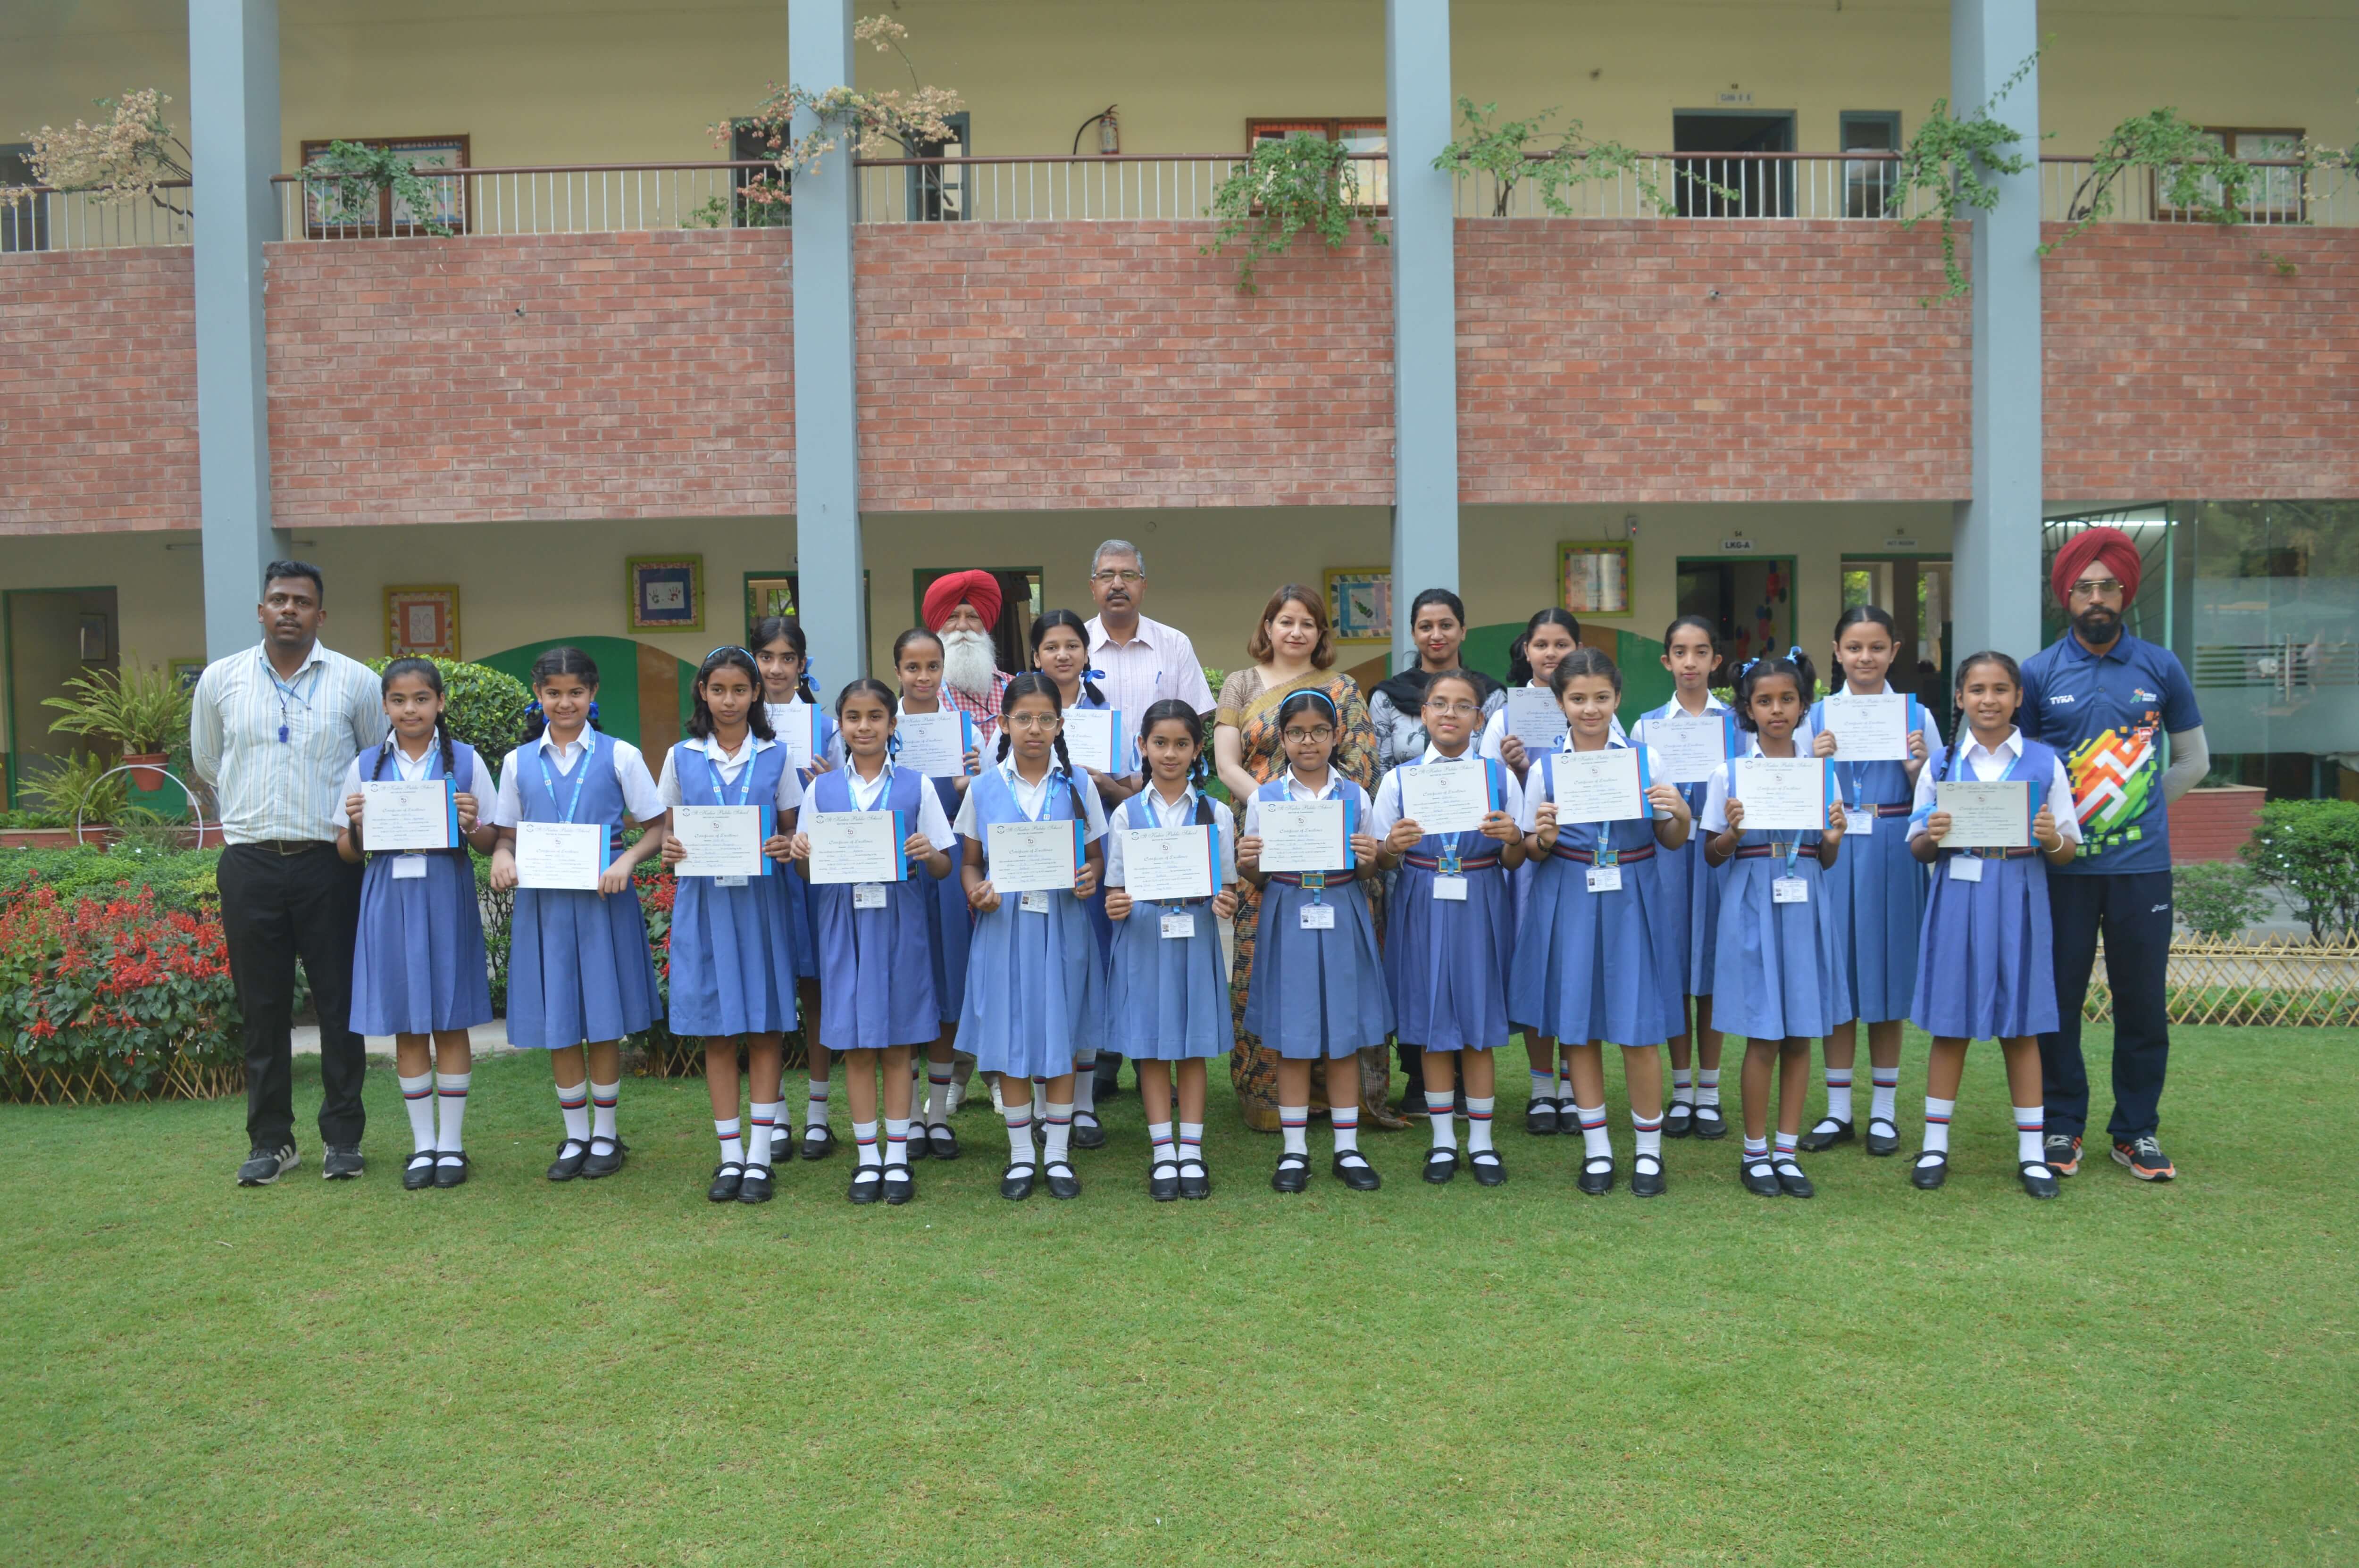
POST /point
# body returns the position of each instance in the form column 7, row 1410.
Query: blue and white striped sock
column 1294, row 1123
column 418, row 1100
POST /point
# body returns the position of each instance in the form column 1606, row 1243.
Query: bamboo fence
column 2276, row 980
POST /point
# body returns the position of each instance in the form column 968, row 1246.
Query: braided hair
column 425, row 670
column 1519, row 662
column 1049, row 622
column 1965, row 728
column 786, row 628
column 758, row 717
column 1032, row 683
column 1171, row 710
column 562, row 660
column 1794, row 665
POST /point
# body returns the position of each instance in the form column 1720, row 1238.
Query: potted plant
column 144, row 711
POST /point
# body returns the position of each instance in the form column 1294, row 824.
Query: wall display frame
column 666, row 592
column 1360, row 603
column 1594, row 578
column 421, row 621
column 186, row 672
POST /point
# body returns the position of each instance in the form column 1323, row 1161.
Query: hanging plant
column 877, row 124
column 2195, row 175
column 351, row 179
column 1293, row 183
column 1945, row 163
column 1519, row 151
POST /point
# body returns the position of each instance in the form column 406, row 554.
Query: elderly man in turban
column 961, row 608
column 2104, row 700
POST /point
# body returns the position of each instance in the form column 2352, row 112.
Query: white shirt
column 1167, row 813
column 930, row 820
column 729, row 764
column 1990, row 767
column 1031, row 797
column 1715, row 817
column 472, row 779
column 1385, row 812
column 640, row 797
column 1808, row 731
column 1494, row 730
column 1538, row 788
column 267, row 788
column 1158, row 662
column 1710, row 705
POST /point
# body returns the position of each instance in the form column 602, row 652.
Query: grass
column 619, row 1373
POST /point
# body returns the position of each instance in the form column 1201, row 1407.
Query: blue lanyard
column 285, row 691
column 713, row 776
column 581, row 774
column 1047, row 782
column 852, row 782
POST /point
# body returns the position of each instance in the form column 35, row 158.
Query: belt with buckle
column 287, row 846
column 1589, row 857
column 1313, row 881
column 1433, row 863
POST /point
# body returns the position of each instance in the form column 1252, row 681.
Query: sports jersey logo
column 2112, row 774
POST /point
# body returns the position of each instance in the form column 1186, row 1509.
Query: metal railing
column 2283, row 194
column 1089, row 188
column 558, row 198
column 34, row 218
column 1797, row 186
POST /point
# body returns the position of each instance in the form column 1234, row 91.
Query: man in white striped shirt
column 271, row 730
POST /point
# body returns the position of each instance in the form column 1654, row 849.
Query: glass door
column 1915, row 591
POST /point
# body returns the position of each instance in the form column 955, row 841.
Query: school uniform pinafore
column 1168, row 997
column 1986, row 959
column 1687, row 889
column 579, row 969
column 1778, row 969
column 734, row 950
column 1446, row 960
column 1034, row 989
column 875, row 965
column 418, row 966
column 1319, row 993
column 1878, row 887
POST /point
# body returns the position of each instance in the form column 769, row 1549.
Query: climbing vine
column 347, row 179
column 1288, row 184
column 1515, row 152
column 1946, row 163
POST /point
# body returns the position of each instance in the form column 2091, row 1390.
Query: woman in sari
column 1293, row 651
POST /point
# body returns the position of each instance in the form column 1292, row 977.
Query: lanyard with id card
column 1789, row 887
column 1319, row 915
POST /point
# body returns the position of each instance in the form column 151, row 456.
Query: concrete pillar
column 827, row 421
column 234, row 134
column 1997, row 548
column 1417, row 108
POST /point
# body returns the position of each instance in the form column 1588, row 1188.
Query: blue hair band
column 727, row 648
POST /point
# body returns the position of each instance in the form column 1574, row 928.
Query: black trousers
column 2133, row 913
column 274, row 909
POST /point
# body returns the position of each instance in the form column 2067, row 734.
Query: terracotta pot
column 147, row 769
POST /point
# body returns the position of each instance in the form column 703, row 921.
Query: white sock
column 1191, row 1146
column 1596, row 1139
column 1346, row 1118
column 418, row 1100
column 1707, row 1086
column 450, row 1101
column 937, row 1093
column 1650, row 1136
column 1040, row 1102
column 732, row 1146
column 1562, row 1083
column 603, row 1097
column 896, row 1140
column 1294, row 1122
column 767, row 1118
column 864, row 1142
column 1058, row 1142
column 1937, row 1124
column 1544, row 1084
column 1439, row 1110
column 1085, row 1083
column 2030, row 1121
column 815, row 1112
column 1883, row 1098
column 575, row 1103
column 1757, row 1148
column 1019, row 1134
column 1786, row 1143
column 1683, row 1087
column 1478, row 1121
column 1838, row 1094
column 1166, row 1146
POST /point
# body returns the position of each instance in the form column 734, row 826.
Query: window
column 1739, row 182
column 938, row 193
column 1870, row 184
column 2274, row 195
column 24, row 218
column 392, row 216
column 750, row 144
column 1365, row 134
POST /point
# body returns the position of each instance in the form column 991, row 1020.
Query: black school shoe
column 570, row 1156
column 1089, row 1132
column 420, row 1172
column 1015, row 1183
column 604, row 1165
column 818, row 1141
column 1932, row 1169
column 1882, row 1138
column 868, row 1184
column 1827, row 1134
column 1709, row 1124
column 1199, row 1186
column 1760, row 1175
column 1679, row 1120
column 1489, row 1170
column 1163, row 1181
column 728, row 1177
column 900, row 1184
column 1542, row 1117
column 1646, row 1180
column 342, row 1162
column 1064, row 1185
column 451, row 1169
column 1792, row 1182
column 758, row 1186
column 2037, row 1180
column 1292, row 1176
column 1596, row 1175
column 940, row 1142
column 1441, row 1164
column 1352, row 1169
column 915, row 1147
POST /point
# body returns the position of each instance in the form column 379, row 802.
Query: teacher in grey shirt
column 271, row 730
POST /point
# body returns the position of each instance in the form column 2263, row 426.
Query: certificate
column 855, row 847
column 1446, row 797
column 935, row 744
column 796, row 724
column 1164, row 865
column 1032, row 856
column 722, row 840
column 1870, row 729
column 1782, row 795
column 1303, row 834
column 1092, row 739
column 1536, row 718
column 1985, row 815
column 561, row 855
column 1601, row 786
column 397, row 813
column 1691, row 744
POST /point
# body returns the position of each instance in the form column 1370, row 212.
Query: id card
column 1789, row 889
column 1859, row 819
column 1178, row 927
column 728, row 882
column 1965, row 868
column 408, row 868
column 1034, row 903
column 871, row 895
column 1319, row 917
column 1605, row 879
column 1450, row 889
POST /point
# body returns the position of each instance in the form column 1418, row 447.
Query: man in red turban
column 961, row 609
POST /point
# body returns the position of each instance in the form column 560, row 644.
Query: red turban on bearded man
column 946, row 593
column 2110, row 547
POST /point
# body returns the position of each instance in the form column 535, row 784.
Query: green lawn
column 618, row 1372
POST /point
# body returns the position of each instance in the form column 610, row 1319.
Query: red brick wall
column 2181, row 364
column 1021, row 366
column 2212, row 824
column 98, row 390
column 550, row 376
column 1691, row 361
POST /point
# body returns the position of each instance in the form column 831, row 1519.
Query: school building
column 617, row 405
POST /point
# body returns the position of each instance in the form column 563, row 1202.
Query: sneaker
column 342, row 1162
column 264, row 1166
column 2063, row 1153
column 2145, row 1159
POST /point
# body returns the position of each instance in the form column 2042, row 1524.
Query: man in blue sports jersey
column 2104, row 700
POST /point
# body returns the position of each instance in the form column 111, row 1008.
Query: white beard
column 969, row 662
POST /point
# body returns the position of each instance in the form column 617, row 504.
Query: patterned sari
column 1246, row 708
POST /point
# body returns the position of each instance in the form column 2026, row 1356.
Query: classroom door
column 1915, row 591
column 1749, row 599
column 53, row 635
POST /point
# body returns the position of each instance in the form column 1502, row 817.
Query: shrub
column 2311, row 848
column 2217, row 898
column 142, row 708
column 180, row 880
column 485, row 705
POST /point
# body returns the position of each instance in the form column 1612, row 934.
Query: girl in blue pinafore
column 1877, row 889
column 417, row 970
column 734, row 941
column 580, row 977
column 1035, row 989
column 1166, row 979
column 782, row 651
column 876, row 975
column 1778, row 964
column 1687, row 904
column 918, row 664
column 1987, row 966
column 1318, row 989
column 1453, row 929
column 1587, row 964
